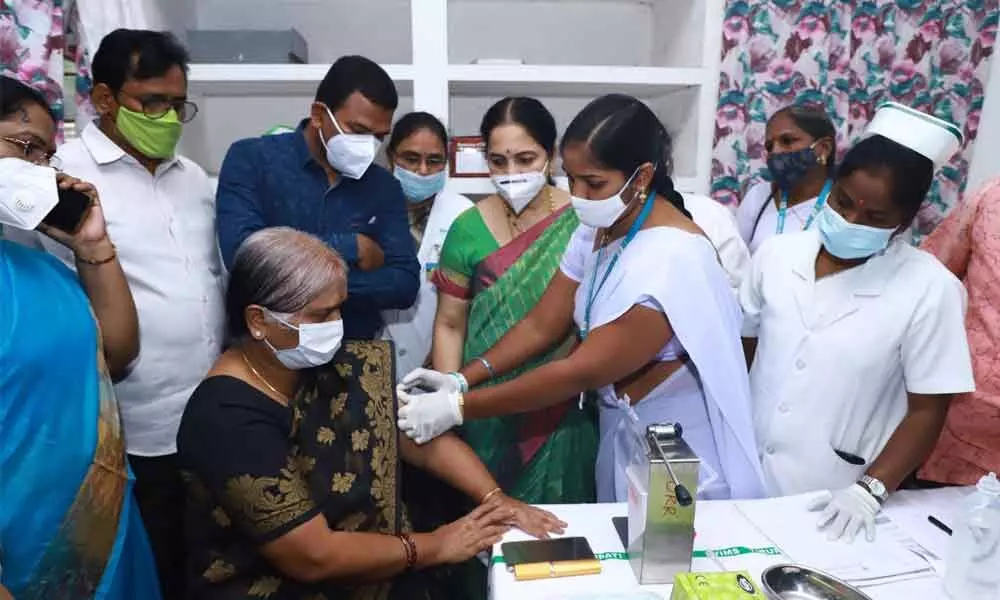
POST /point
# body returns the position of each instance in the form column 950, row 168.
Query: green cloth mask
column 155, row 138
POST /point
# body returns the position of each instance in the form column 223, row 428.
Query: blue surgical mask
column 849, row 241
column 418, row 188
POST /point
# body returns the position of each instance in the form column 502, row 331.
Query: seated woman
column 69, row 527
column 859, row 337
column 292, row 460
column 642, row 286
column 801, row 144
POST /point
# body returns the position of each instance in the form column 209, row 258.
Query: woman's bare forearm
column 446, row 353
column 107, row 288
column 451, row 460
column 912, row 442
column 312, row 552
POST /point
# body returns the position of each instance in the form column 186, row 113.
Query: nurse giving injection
column 855, row 338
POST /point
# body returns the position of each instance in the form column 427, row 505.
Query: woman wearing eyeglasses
column 161, row 214
column 418, row 152
column 69, row 527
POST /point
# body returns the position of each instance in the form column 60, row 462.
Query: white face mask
column 28, row 192
column 518, row 189
column 318, row 342
column 350, row 154
column 601, row 213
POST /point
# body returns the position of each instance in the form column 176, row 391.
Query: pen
column 939, row 525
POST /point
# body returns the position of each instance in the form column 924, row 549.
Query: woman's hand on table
column 460, row 540
column 533, row 521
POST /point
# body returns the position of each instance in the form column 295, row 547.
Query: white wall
column 379, row 30
column 985, row 163
column 550, row 32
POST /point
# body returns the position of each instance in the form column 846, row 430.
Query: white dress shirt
column 163, row 226
column 836, row 357
column 412, row 330
column 719, row 224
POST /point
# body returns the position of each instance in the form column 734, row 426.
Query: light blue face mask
column 849, row 241
column 418, row 188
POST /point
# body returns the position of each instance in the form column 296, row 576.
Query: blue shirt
column 274, row 181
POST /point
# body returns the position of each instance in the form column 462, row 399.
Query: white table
column 718, row 525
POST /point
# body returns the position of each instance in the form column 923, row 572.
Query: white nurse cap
column 929, row 136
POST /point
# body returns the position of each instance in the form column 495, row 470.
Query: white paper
column 792, row 527
column 910, row 509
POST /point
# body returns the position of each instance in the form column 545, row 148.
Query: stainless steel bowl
column 793, row 582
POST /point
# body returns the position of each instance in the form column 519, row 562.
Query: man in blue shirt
column 320, row 179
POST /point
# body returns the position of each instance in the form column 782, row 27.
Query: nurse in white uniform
column 658, row 322
column 859, row 336
column 417, row 150
column 801, row 151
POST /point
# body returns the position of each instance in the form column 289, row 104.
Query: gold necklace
column 513, row 221
column 246, row 360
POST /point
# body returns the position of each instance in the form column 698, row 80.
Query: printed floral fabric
column 849, row 57
column 31, row 46
column 968, row 243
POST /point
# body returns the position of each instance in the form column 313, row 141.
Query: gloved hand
column 846, row 511
column 423, row 417
column 432, row 381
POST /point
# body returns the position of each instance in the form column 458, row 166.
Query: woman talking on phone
column 642, row 287
column 68, row 525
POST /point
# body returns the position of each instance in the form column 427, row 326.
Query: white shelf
column 571, row 80
column 481, row 186
column 665, row 52
column 275, row 79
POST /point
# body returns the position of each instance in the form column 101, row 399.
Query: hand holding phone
column 90, row 239
column 71, row 211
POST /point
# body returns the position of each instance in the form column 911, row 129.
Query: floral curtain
column 849, row 57
column 31, row 46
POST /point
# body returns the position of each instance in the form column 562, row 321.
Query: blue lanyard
column 594, row 287
column 820, row 201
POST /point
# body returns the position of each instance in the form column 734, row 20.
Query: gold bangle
column 461, row 405
column 97, row 263
column 410, row 548
column 490, row 494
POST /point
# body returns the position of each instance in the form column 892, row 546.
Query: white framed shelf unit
column 563, row 52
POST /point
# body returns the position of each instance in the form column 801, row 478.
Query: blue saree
column 69, row 528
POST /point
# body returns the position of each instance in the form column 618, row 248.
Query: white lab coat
column 757, row 216
column 413, row 329
column 836, row 357
column 719, row 224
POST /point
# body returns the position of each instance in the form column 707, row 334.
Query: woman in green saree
column 496, row 262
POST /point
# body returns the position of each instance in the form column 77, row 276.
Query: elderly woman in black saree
column 291, row 454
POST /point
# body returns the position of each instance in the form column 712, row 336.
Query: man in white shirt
column 160, row 210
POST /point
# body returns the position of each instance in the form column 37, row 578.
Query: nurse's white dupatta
column 678, row 273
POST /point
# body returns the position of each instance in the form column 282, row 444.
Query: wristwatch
column 875, row 487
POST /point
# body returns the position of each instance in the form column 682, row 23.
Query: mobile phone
column 543, row 551
column 69, row 212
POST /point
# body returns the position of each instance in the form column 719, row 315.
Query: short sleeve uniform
column 836, row 357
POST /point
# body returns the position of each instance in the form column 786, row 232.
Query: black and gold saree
column 256, row 470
